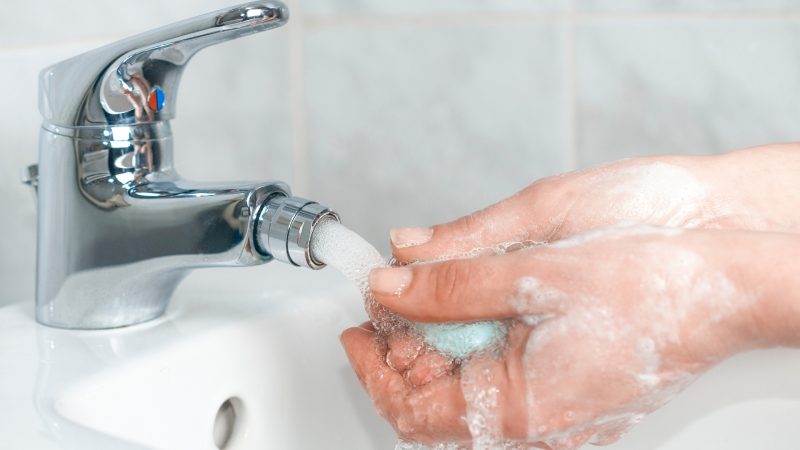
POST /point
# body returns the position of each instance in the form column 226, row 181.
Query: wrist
column 751, row 291
column 768, row 267
column 756, row 188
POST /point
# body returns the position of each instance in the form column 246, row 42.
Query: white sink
column 275, row 356
column 160, row 385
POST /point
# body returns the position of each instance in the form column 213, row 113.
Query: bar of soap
column 460, row 340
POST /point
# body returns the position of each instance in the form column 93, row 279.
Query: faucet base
column 110, row 298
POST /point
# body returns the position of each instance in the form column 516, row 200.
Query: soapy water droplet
column 339, row 247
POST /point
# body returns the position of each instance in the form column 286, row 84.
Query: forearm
column 758, row 188
column 770, row 269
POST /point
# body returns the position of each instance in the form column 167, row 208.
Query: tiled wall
column 418, row 111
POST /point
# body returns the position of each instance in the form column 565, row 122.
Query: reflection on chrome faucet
column 118, row 229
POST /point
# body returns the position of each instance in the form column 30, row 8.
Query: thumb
column 522, row 217
column 462, row 290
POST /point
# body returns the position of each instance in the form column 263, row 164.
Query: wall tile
column 417, row 126
column 685, row 87
column 686, row 5
column 419, row 7
column 233, row 112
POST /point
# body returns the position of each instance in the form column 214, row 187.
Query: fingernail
column 392, row 281
column 409, row 237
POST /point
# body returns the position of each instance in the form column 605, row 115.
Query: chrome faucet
column 117, row 227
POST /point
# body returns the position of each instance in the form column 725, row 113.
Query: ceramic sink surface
column 275, row 356
column 160, row 384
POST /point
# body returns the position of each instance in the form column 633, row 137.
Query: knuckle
column 546, row 186
column 449, row 280
column 465, row 226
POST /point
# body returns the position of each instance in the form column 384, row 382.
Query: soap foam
column 346, row 251
column 339, row 247
column 649, row 192
column 481, row 394
column 505, row 445
column 672, row 292
column 405, row 445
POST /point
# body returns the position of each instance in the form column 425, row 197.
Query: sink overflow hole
column 228, row 422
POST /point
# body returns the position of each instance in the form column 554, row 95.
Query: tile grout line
column 297, row 104
column 570, row 51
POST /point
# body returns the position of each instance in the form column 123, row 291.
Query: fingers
column 425, row 414
column 494, row 287
column 427, row 368
column 403, row 350
column 515, row 219
column 364, row 353
column 408, row 355
column 432, row 410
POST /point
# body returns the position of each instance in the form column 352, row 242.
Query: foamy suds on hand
column 346, row 251
column 405, row 445
column 674, row 290
column 647, row 192
column 339, row 247
column 481, row 394
column 497, row 445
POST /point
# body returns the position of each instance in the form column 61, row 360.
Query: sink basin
column 274, row 355
column 238, row 366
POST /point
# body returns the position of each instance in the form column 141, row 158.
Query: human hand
column 753, row 189
column 604, row 328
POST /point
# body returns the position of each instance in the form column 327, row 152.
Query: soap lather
column 335, row 245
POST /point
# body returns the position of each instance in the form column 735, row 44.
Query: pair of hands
column 649, row 272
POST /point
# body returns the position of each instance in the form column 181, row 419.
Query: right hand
column 754, row 189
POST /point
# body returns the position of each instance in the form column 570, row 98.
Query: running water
column 337, row 246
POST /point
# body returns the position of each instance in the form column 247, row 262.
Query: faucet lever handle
column 135, row 80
